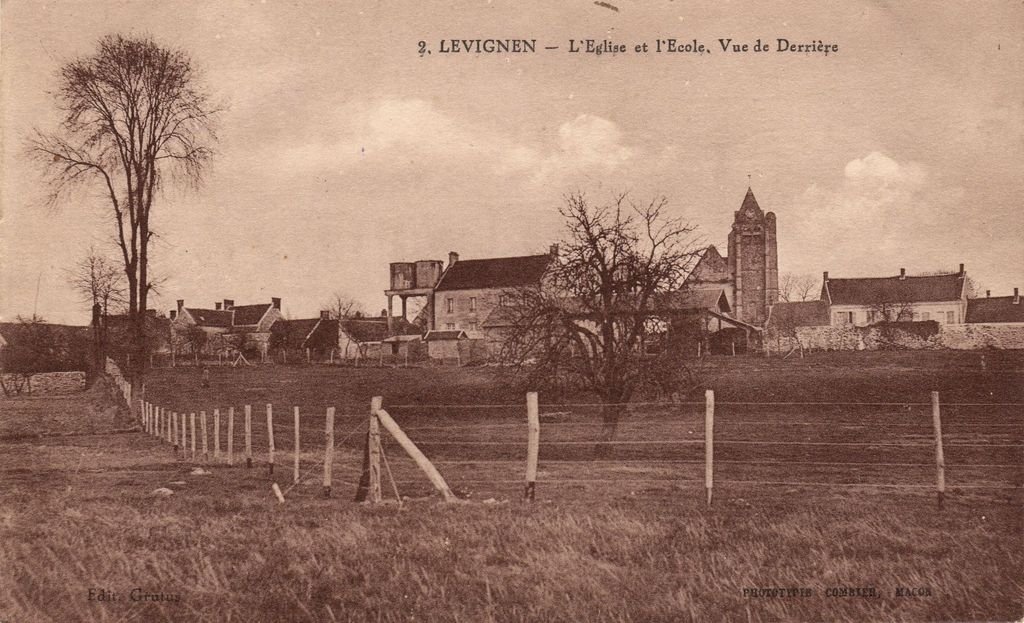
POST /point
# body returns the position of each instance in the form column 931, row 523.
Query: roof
column 995, row 309
column 376, row 329
column 404, row 338
column 250, row 314
column 501, row 272
column 749, row 201
column 694, row 299
column 210, row 317
column 433, row 336
column 294, row 331
column 711, row 267
column 869, row 290
column 799, row 314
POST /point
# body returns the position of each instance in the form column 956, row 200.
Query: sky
column 342, row 149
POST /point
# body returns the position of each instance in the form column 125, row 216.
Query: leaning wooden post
column 328, row 451
column 231, row 435
column 192, row 426
column 202, row 424
column 421, row 460
column 940, row 463
column 248, row 436
column 270, row 437
column 709, row 441
column 216, row 434
column 532, row 444
column 295, row 470
column 373, row 445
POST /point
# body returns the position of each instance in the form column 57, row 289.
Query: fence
column 537, row 450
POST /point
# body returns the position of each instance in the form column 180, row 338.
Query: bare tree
column 795, row 287
column 340, row 306
column 587, row 323
column 134, row 118
column 98, row 280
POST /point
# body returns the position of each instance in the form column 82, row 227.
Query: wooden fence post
column 184, row 437
column 248, row 436
column 295, row 471
column 202, row 424
column 421, row 460
column 216, row 434
column 192, row 426
column 373, row 441
column 328, row 451
column 940, row 463
column 174, row 430
column 231, row 435
column 532, row 445
column 270, row 437
column 709, row 441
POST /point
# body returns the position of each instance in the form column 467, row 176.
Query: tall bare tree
column 794, row 287
column 98, row 280
column 134, row 118
column 588, row 322
column 340, row 306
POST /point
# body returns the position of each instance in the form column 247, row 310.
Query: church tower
column 753, row 262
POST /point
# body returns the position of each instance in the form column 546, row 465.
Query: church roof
column 749, row 201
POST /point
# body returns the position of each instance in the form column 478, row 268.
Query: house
column 867, row 300
column 225, row 327
column 317, row 335
column 749, row 274
column 363, row 337
column 996, row 309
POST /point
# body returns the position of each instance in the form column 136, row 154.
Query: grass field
column 618, row 533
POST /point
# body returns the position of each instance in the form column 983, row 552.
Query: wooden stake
column 328, row 451
column 202, row 424
column 373, row 444
column 270, row 437
column 940, row 462
column 192, row 426
column 248, row 436
column 295, row 470
column 532, row 444
column 709, row 441
column 421, row 460
column 231, row 435
column 216, row 434
column 174, row 430
column 184, row 437
column 277, row 492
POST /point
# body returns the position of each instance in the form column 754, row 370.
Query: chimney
column 383, row 313
column 174, row 314
column 276, row 302
column 988, row 293
column 553, row 250
column 217, row 306
column 325, row 314
column 903, row 273
column 824, row 276
column 452, row 258
column 228, row 304
column 1016, row 297
column 961, row 268
column 181, row 303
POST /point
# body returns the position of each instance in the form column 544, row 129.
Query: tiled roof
column 249, row 314
column 210, row 317
column 293, row 332
column 995, row 309
column 695, row 299
column 799, row 314
column 865, row 291
column 433, row 336
column 501, row 272
column 711, row 267
column 376, row 329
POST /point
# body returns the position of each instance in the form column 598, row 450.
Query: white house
column 863, row 301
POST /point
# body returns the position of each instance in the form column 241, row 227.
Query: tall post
column 328, row 451
column 202, row 424
column 295, row 470
column 373, row 441
column 940, row 462
column 192, row 425
column 216, row 434
column 184, row 436
column 532, row 445
column 270, row 437
column 248, row 436
column 709, row 441
column 175, row 437
column 231, row 435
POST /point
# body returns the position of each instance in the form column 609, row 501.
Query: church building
column 749, row 274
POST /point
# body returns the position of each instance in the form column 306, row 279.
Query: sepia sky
column 343, row 150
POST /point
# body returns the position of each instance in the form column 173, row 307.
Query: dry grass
column 77, row 512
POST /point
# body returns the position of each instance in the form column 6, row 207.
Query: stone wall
column 954, row 336
column 52, row 383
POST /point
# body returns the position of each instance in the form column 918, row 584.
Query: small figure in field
column 206, row 377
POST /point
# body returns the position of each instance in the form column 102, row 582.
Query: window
column 916, row 317
column 394, row 348
column 450, row 326
column 451, row 305
column 950, row 317
column 502, row 300
column 844, row 317
column 871, row 316
column 472, row 303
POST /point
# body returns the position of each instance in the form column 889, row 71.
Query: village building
column 996, row 309
column 864, row 301
column 227, row 327
column 362, row 338
column 304, row 338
